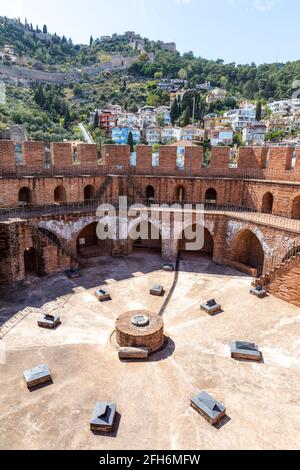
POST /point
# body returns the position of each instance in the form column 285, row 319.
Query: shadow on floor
column 36, row 292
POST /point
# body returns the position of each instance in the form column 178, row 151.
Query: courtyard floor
column 153, row 397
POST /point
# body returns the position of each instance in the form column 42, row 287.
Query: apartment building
column 170, row 134
column 285, row 107
column 215, row 95
column 240, row 118
column 153, row 135
column 127, row 120
column 120, row 135
column 254, row 134
column 107, row 120
column 192, row 133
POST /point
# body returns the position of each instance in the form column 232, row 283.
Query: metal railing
column 248, row 214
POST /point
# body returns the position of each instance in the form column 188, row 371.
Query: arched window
column 89, row 192
column 211, row 196
column 150, row 192
column 60, row 194
column 267, row 203
column 25, row 196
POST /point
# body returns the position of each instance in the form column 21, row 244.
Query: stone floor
column 152, row 397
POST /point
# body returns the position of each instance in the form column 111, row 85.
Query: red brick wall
column 144, row 157
column 193, row 159
column 280, row 158
column 252, row 158
column 167, row 159
column 116, row 155
column 34, row 155
column 7, row 155
column 62, row 155
column 220, row 157
column 87, row 154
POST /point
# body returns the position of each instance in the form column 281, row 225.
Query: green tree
column 45, row 29
column 91, row 41
column 96, row 120
column 175, row 112
column 67, row 118
column 258, row 111
column 130, row 142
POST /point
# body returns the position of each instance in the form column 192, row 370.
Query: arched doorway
column 89, row 192
column 248, row 252
column 25, row 196
column 296, row 208
column 60, row 194
column 203, row 246
column 89, row 245
column 267, row 203
column 145, row 235
column 150, row 192
column 211, row 196
column 180, row 194
column 30, row 261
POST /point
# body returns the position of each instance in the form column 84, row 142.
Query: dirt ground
column 153, row 398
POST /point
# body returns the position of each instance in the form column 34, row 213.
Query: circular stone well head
column 140, row 320
column 140, row 329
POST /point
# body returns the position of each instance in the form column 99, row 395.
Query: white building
column 285, row 106
column 224, row 137
column 164, row 111
column 115, row 109
column 153, row 135
column 215, row 95
column 192, row 133
column 127, row 119
column 240, row 118
column 170, row 134
column 254, row 134
column 146, row 116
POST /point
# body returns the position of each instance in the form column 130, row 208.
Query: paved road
column 86, row 135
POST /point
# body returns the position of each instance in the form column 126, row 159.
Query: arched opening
column 150, row 192
column 25, row 196
column 60, row 194
column 211, row 196
column 248, row 253
column 30, row 261
column 180, row 194
column 145, row 236
column 267, row 203
column 89, row 192
column 296, row 208
column 203, row 242
column 89, row 245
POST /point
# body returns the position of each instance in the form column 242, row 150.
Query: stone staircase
column 289, row 260
column 42, row 236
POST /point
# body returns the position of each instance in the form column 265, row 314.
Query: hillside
column 52, row 84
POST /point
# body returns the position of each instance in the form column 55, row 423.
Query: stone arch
column 247, row 252
column 25, row 196
column 150, row 192
column 211, row 196
column 60, row 194
column 89, row 192
column 30, row 261
column 150, row 238
column 296, row 208
column 267, row 203
column 89, row 244
column 180, row 194
column 207, row 242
